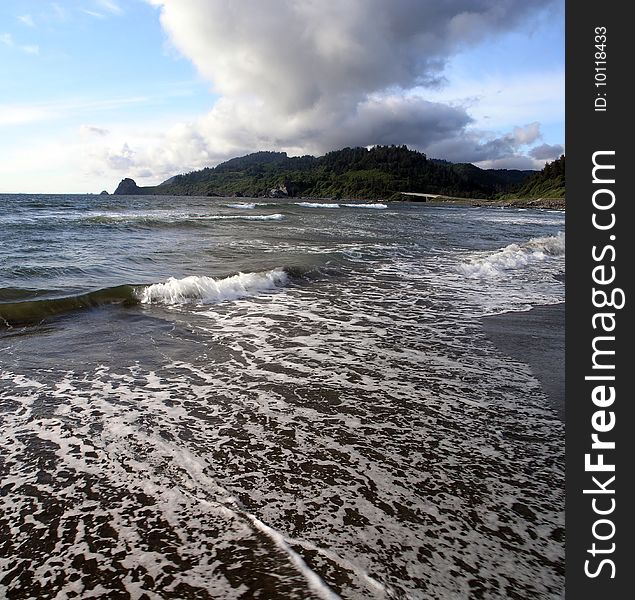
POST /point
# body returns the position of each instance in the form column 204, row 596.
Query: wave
column 200, row 289
column 246, row 205
column 273, row 217
column 379, row 205
column 173, row 219
column 514, row 256
column 208, row 290
column 20, row 294
column 44, row 271
column 35, row 311
column 136, row 220
column 107, row 219
column 318, row 204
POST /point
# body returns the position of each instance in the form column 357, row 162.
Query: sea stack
column 127, row 187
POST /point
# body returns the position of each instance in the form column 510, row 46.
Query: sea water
column 251, row 398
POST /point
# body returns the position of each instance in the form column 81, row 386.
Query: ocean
column 236, row 398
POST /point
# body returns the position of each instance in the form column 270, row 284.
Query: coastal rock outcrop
column 279, row 191
column 286, row 189
column 127, row 187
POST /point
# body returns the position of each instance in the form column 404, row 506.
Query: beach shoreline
column 537, row 203
column 536, row 338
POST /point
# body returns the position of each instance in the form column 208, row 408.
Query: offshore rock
column 127, row 187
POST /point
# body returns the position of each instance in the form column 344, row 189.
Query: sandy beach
column 536, row 338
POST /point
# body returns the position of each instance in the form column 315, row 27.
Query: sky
column 97, row 90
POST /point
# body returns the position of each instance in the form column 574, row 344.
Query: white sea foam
column 208, row 290
column 337, row 205
column 367, row 205
column 318, row 204
column 242, row 205
column 514, row 256
column 316, row 583
column 173, row 217
column 273, row 217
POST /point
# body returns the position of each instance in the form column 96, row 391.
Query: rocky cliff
column 128, row 187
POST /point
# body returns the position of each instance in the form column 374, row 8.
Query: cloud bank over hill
column 309, row 77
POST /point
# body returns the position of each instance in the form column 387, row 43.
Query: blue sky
column 97, row 90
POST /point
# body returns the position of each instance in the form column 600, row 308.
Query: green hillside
column 377, row 173
column 548, row 183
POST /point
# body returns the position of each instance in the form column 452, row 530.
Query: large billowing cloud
column 296, row 54
column 308, row 76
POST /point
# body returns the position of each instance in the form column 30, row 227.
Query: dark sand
column 536, row 338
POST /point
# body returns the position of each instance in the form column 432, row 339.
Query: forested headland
column 381, row 172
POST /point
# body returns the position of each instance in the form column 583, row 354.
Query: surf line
column 231, row 505
column 606, row 299
column 315, row 582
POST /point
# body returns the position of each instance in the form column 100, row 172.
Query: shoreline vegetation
column 385, row 173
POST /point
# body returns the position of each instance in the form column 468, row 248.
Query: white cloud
column 58, row 11
column 20, row 115
column 517, row 161
column 17, row 114
column 111, row 6
column 7, row 40
column 57, row 167
column 294, row 55
column 27, row 20
column 123, row 160
column 93, row 13
column 91, row 130
column 547, row 152
column 521, row 136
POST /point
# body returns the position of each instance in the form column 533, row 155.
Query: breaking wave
column 202, row 289
column 339, row 205
column 175, row 219
column 514, row 256
column 369, row 205
column 242, row 205
column 274, row 217
column 208, row 290
column 318, row 204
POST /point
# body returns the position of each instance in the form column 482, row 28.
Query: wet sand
column 536, row 338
